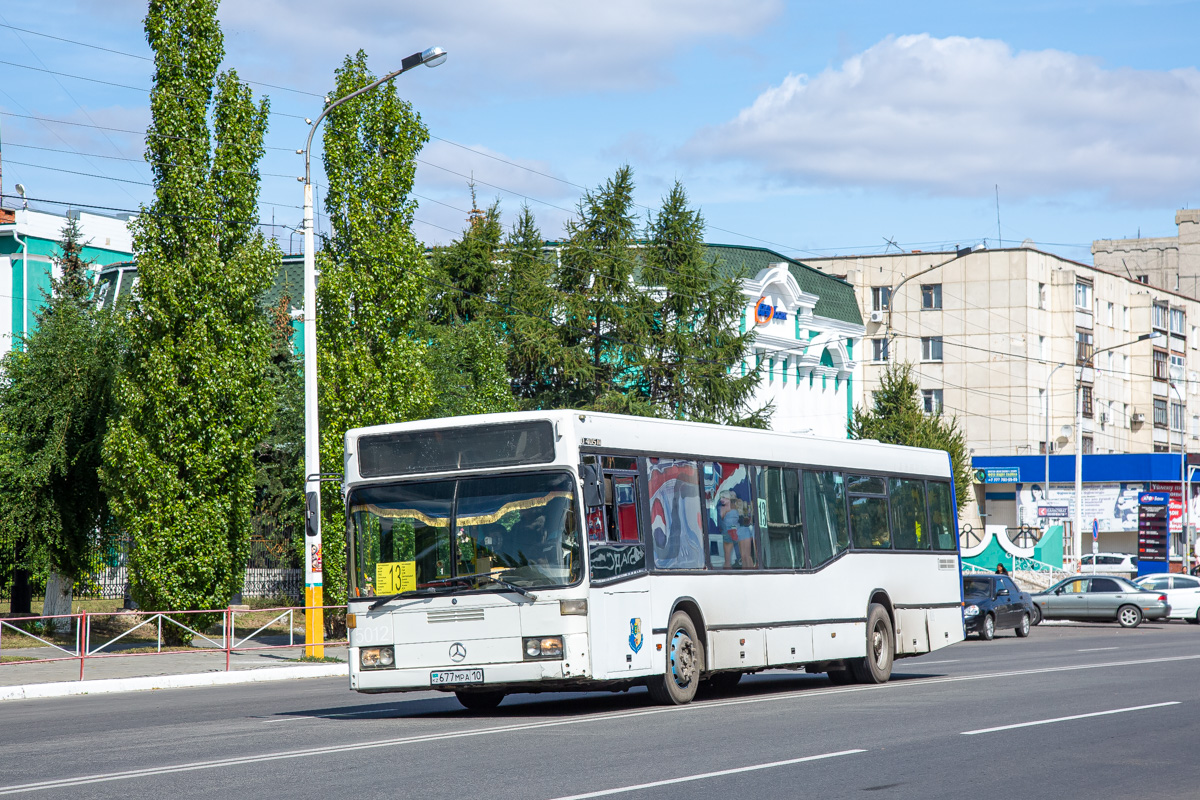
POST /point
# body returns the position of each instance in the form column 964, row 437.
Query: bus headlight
column 538, row 647
column 376, row 657
column 971, row 611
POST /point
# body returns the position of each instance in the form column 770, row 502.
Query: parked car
column 1182, row 591
column 1101, row 598
column 1109, row 564
column 994, row 601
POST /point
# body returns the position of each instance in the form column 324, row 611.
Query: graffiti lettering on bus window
column 613, row 562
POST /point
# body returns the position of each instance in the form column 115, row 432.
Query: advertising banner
column 1113, row 505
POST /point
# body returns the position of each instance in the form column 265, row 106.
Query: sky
column 813, row 129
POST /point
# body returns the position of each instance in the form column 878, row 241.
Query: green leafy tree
column 55, row 406
column 896, row 417
column 179, row 463
column 693, row 344
column 370, row 299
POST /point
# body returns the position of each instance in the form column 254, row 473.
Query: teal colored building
column 29, row 244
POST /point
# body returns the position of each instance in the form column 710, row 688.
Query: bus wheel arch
column 879, row 596
column 689, row 606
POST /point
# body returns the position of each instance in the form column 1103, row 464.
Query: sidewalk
column 116, row 673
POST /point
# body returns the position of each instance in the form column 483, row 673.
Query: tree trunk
column 58, row 601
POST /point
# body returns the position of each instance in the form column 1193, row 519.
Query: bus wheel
column 685, row 658
column 840, row 677
column 479, row 701
column 877, row 666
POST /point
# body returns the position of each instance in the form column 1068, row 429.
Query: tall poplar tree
column 370, row 299
column 194, row 395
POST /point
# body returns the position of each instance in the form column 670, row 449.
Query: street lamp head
column 1153, row 335
column 433, row 57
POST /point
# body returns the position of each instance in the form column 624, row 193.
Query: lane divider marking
column 1067, row 719
column 688, row 778
column 1096, row 649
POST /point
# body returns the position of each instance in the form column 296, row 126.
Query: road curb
column 36, row 691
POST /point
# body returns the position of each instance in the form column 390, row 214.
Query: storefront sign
column 764, row 312
column 1000, row 475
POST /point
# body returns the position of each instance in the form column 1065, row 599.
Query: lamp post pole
column 314, row 618
column 1046, row 494
column 1077, row 522
column 1183, row 473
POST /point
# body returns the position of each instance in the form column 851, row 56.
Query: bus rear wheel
column 876, row 667
column 685, row 659
column 479, row 701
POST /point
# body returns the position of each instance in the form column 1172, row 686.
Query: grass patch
column 15, row 659
column 315, row 660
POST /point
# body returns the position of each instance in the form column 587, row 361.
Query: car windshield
column 977, row 587
column 518, row 528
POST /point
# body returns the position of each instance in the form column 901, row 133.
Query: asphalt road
column 980, row 719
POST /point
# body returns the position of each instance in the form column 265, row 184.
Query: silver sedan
column 1101, row 598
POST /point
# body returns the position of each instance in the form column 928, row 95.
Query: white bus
column 570, row 550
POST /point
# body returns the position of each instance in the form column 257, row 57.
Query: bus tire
column 876, row 667
column 840, row 677
column 684, row 661
column 479, row 701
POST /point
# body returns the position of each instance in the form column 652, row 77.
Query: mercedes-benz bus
column 572, row 550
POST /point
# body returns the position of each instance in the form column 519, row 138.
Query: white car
column 1109, row 564
column 1182, row 591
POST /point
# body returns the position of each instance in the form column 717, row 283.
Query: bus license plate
column 446, row 676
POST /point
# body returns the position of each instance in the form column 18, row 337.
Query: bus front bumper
column 461, row 676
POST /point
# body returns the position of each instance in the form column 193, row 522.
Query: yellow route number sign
column 393, row 577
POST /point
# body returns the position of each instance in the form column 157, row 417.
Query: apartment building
column 1165, row 262
column 988, row 330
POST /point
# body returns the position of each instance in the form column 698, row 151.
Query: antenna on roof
column 891, row 243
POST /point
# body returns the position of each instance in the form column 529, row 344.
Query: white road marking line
column 702, row 776
column 923, row 663
column 1096, row 649
column 603, row 717
column 1067, row 719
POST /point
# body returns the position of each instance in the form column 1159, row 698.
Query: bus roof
column 591, row 431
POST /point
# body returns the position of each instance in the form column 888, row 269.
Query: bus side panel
column 945, row 626
column 912, row 632
column 792, row 645
column 621, row 624
column 740, row 649
column 839, row 640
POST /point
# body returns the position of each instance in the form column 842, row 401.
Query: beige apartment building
column 987, row 330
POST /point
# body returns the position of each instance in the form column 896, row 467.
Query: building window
column 1042, row 348
column 1161, row 370
column 1177, row 367
column 931, row 348
column 1178, row 321
column 879, row 349
column 1158, row 317
column 1086, row 391
column 1042, row 304
column 1178, row 416
column 1109, row 318
column 1143, row 279
column 1160, row 413
column 1125, row 317
column 1083, row 296
column 1083, row 346
column 881, row 298
column 932, row 400
column 931, row 296
column 1088, row 447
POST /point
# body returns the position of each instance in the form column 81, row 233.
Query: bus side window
column 676, row 525
column 621, row 506
column 730, row 511
column 909, row 528
column 941, row 516
column 782, row 530
column 869, row 512
column 825, row 515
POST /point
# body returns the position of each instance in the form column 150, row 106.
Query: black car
column 994, row 601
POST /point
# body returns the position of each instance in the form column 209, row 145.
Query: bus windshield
column 521, row 528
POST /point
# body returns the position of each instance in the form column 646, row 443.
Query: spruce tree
column 194, row 392
column 896, row 417
column 55, row 407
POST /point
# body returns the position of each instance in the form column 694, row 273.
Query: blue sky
column 817, row 128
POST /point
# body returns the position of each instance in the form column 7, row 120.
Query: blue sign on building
column 1154, row 499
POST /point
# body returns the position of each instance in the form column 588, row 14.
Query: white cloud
column 541, row 43
column 953, row 116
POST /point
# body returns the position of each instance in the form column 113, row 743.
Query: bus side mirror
column 593, row 487
column 312, row 512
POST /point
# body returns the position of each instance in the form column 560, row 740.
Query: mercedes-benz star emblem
column 457, row 652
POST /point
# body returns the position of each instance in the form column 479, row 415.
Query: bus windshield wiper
column 441, row 585
column 521, row 590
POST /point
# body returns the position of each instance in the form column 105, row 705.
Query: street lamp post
column 958, row 253
column 1177, row 372
column 1077, row 522
column 314, row 621
column 1046, row 494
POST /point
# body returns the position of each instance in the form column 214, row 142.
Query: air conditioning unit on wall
column 1137, row 419
column 1103, row 417
column 876, row 316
